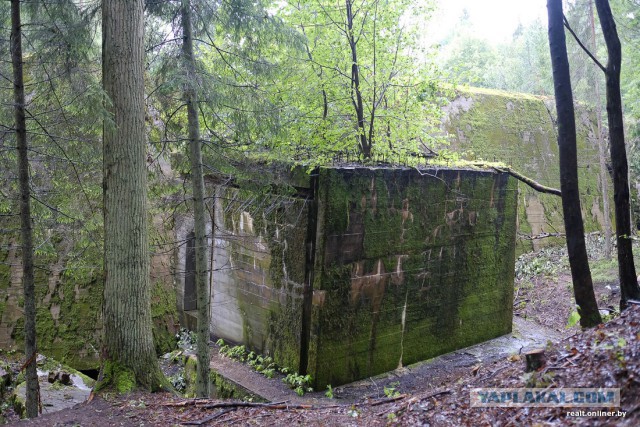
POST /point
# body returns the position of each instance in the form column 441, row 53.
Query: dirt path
column 434, row 392
column 98, row 413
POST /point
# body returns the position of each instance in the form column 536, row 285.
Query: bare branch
column 575, row 36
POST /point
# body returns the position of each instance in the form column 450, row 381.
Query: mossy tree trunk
column 128, row 338
column 626, row 269
column 32, row 387
column 202, row 288
column 572, row 213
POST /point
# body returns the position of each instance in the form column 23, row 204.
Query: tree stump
column 535, row 359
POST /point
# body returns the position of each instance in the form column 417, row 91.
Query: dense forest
column 116, row 115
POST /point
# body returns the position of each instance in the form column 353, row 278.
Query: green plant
column 238, row 352
column 57, row 385
column 186, row 339
column 574, row 318
column 329, row 392
column 299, row 383
column 263, row 364
column 536, row 379
column 179, row 382
column 390, row 390
column 268, row 372
column 611, row 315
column 543, row 262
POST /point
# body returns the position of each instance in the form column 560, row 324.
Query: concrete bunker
column 363, row 269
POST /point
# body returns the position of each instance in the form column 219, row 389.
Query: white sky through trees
column 495, row 20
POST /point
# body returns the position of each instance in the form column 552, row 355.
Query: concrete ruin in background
column 519, row 130
column 363, row 270
column 69, row 300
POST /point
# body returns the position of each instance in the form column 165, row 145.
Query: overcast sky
column 495, row 20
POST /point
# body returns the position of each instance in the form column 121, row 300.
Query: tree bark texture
column 31, row 374
column 200, row 231
column 626, row 269
column 128, row 337
column 604, row 175
column 572, row 213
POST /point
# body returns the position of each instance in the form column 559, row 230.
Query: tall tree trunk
column 128, row 337
column 358, row 103
column 32, row 387
column 604, row 175
column 200, row 231
column 626, row 269
column 574, row 228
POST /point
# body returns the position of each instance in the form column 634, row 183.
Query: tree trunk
column 32, row 386
column 128, row 337
column 358, row 104
column 604, row 175
column 581, row 275
column 626, row 269
column 202, row 288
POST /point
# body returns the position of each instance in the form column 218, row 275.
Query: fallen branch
column 256, row 405
column 437, row 393
column 388, row 400
column 190, row 402
column 209, row 418
column 540, row 236
column 480, row 380
column 517, row 175
column 204, row 404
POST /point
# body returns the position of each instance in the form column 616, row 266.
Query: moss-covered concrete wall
column 69, row 292
column 519, row 130
column 409, row 265
column 68, row 306
column 399, row 265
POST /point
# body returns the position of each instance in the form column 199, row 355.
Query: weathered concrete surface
column 56, row 398
column 259, row 258
column 409, row 265
column 448, row 367
column 412, row 378
column 519, row 130
column 68, row 304
column 366, row 269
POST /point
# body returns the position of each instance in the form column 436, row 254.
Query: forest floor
column 604, row 357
